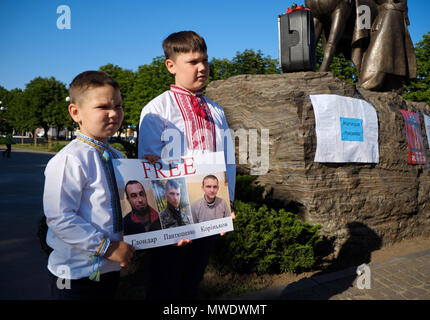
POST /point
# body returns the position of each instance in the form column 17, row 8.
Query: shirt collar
column 92, row 142
column 180, row 90
column 209, row 204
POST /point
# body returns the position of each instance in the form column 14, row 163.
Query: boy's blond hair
column 183, row 42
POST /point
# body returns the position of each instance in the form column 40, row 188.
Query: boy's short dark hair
column 89, row 79
column 183, row 42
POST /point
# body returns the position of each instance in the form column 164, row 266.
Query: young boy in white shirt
column 196, row 124
column 81, row 200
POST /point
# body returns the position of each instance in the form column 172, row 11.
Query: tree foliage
column 341, row 67
column 246, row 62
column 151, row 80
column 44, row 100
column 5, row 99
column 19, row 116
column 418, row 89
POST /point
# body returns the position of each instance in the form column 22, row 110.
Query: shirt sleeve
column 64, row 183
column 230, row 160
column 151, row 128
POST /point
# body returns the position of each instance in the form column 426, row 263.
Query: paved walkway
column 402, row 278
column 23, row 272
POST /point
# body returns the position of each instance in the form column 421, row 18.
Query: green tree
column 3, row 94
column 19, row 115
column 56, row 114
column 151, row 80
column 45, row 103
column 341, row 67
column 4, row 98
column 220, row 69
column 251, row 62
column 246, row 62
column 418, row 89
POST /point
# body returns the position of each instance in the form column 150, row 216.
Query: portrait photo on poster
column 166, row 201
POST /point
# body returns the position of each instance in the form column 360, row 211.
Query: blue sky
column 129, row 32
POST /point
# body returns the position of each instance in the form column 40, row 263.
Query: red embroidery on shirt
column 198, row 120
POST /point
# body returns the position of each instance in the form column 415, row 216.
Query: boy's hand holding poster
column 165, row 201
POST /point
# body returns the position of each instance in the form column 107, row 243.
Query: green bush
column 128, row 149
column 266, row 241
column 247, row 191
column 118, row 146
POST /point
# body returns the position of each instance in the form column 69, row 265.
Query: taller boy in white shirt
column 80, row 198
column 179, row 122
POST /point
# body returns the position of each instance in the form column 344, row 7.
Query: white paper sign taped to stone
column 346, row 129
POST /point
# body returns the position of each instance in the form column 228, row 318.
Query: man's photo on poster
column 172, row 202
column 208, row 196
column 141, row 217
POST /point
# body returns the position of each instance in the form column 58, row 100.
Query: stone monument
column 390, row 198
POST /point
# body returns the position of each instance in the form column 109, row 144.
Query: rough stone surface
column 362, row 204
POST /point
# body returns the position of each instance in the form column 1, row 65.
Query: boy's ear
column 170, row 65
column 74, row 113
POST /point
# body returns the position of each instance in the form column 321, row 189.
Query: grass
column 55, row 146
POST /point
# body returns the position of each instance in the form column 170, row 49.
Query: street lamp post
column 1, row 107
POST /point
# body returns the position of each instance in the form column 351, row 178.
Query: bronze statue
column 330, row 19
column 390, row 56
column 381, row 50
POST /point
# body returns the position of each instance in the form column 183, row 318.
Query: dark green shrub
column 118, row 146
column 127, row 148
column 266, row 241
column 247, row 191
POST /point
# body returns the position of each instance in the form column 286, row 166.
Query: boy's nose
column 113, row 113
column 202, row 66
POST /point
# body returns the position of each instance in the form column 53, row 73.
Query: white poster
column 427, row 125
column 162, row 203
column 346, row 129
